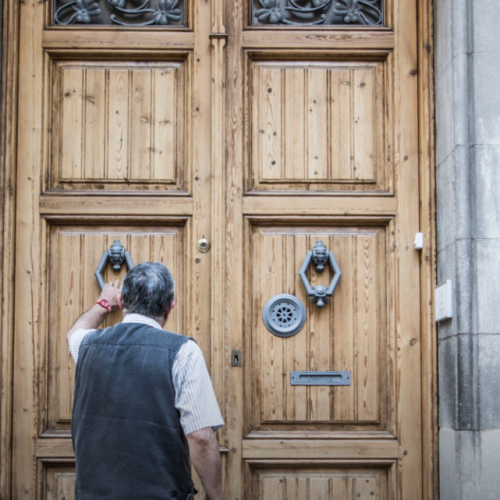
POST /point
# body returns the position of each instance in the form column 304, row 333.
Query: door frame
column 8, row 148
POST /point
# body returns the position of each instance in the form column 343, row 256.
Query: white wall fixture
column 419, row 241
column 444, row 301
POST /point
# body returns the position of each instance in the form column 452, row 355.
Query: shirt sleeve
column 194, row 394
column 75, row 341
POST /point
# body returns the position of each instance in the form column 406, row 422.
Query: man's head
column 148, row 289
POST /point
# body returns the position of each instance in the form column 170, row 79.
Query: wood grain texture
column 408, row 315
column 8, row 187
column 77, row 250
column 116, row 40
column 428, row 256
column 370, row 192
column 324, row 39
column 118, row 126
column 122, row 205
column 59, row 482
column 318, row 125
column 320, row 484
column 346, row 334
column 28, row 291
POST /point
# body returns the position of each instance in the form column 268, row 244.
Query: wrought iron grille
column 317, row 12
column 161, row 13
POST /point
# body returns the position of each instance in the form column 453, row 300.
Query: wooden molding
column 428, row 254
column 8, row 140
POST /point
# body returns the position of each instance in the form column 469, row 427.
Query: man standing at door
column 144, row 405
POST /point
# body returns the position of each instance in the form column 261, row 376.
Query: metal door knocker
column 116, row 255
column 284, row 315
column 320, row 256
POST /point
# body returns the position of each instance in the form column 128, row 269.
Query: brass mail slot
column 321, row 378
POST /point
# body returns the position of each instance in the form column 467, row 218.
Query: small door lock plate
column 236, row 358
column 203, row 245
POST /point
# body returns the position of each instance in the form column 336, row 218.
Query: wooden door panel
column 58, row 481
column 351, row 333
column 321, row 483
column 118, row 125
column 319, row 125
column 74, row 251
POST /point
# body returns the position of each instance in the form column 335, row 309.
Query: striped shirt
column 194, row 394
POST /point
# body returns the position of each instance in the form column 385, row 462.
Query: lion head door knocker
column 117, row 256
column 320, row 256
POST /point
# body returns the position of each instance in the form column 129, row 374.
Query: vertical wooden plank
column 408, row 223
column 118, row 124
column 94, row 245
column 320, row 333
column 319, row 488
column 269, row 127
column 141, row 125
column 272, row 346
column 343, row 326
column 296, row 487
column 296, row 346
column 294, row 126
column 165, row 248
column 95, row 123
column 288, row 287
column 166, row 132
column 341, row 488
column 364, row 117
column 341, row 153
column 65, row 485
column 367, row 328
column 273, row 488
column 72, row 123
column 70, row 307
column 365, row 489
column 317, row 124
column 60, row 485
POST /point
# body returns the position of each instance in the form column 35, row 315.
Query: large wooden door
column 114, row 142
column 322, row 131
column 262, row 126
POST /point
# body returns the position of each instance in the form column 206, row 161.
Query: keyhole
column 236, row 358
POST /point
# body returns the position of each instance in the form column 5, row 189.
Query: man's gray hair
column 148, row 289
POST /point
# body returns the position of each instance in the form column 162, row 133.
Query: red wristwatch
column 104, row 303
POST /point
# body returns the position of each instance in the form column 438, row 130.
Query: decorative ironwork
column 320, row 293
column 312, row 12
column 284, row 315
column 116, row 256
column 120, row 12
column 320, row 256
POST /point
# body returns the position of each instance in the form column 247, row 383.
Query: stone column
column 467, row 80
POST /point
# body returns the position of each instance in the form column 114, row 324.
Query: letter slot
column 320, row 378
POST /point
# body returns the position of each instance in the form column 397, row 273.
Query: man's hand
column 205, row 456
column 91, row 319
column 110, row 293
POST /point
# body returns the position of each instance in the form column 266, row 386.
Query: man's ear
column 119, row 298
column 170, row 307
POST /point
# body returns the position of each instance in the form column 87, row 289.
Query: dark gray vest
column 127, row 437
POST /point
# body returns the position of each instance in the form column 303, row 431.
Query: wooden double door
column 261, row 127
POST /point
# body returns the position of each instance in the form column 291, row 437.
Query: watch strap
column 104, row 303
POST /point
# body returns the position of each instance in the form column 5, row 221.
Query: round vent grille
column 284, row 315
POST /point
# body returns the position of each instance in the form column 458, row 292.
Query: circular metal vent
column 284, row 315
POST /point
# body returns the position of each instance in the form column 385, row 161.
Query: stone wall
column 467, row 71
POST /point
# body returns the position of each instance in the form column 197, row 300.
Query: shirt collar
column 139, row 318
